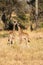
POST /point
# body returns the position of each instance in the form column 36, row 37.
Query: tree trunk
column 36, row 12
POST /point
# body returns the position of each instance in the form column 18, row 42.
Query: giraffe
column 23, row 36
column 11, row 36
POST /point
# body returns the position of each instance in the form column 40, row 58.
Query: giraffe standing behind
column 23, row 36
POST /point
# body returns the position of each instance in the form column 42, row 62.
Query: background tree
column 21, row 7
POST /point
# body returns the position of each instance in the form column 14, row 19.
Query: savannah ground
column 22, row 54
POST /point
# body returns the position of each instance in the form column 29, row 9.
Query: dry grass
column 22, row 54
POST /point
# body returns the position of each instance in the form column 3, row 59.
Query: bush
column 41, row 25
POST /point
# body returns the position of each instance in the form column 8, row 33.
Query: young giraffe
column 23, row 36
column 12, row 35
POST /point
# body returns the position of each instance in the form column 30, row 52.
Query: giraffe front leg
column 10, row 41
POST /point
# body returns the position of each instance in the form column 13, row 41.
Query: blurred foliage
column 41, row 26
column 21, row 8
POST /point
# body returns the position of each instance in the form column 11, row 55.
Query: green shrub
column 41, row 25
